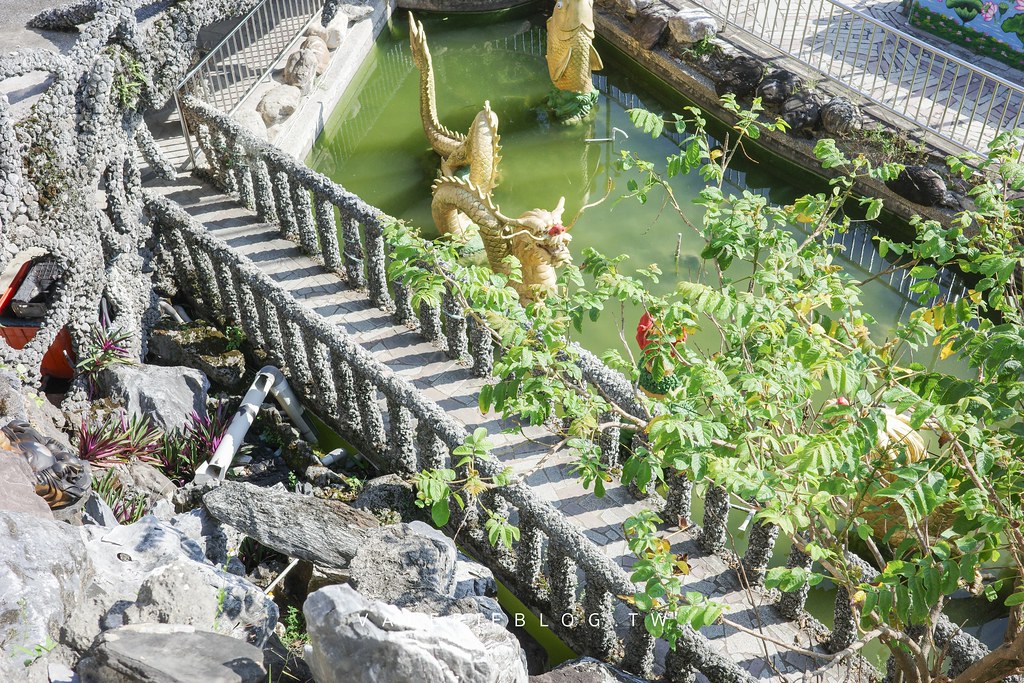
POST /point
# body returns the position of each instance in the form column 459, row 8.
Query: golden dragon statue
column 571, row 59
column 480, row 149
column 537, row 238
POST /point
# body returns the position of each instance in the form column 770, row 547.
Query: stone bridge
column 253, row 237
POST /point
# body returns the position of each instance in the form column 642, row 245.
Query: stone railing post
column 716, row 519
column 353, row 250
column 454, row 326
column 228, row 294
column 282, row 188
column 402, row 451
column 760, row 545
column 403, row 314
column 482, row 349
column 320, row 358
column 376, row 271
column 679, row 502
column 791, row 605
column 295, row 352
column 599, row 618
column 249, row 319
column 373, row 422
column 432, row 451
column 243, row 177
column 639, row 648
column 348, row 402
column 327, row 233
column 609, row 441
column 304, row 225
column 430, row 323
column 264, row 191
column 679, row 665
column 563, row 584
column 530, row 558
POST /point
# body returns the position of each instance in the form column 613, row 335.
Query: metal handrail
column 839, row 23
column 257, row 43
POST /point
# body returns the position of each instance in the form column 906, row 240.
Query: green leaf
column 440, row 513
column 1015, row 599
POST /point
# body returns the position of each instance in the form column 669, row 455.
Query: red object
column 842, row 401
column 18, row 334
column 644, row 327
column 556, row 229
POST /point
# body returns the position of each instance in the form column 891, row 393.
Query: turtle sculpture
column 572, row 59
column 61, row 478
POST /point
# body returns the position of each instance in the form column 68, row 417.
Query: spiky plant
column 127, row 509
column 182, row 452
column 118, row 439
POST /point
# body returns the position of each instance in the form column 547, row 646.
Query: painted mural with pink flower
column 990, row 28
column 1002, row 20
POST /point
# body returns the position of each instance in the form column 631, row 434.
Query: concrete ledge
column 300, row 131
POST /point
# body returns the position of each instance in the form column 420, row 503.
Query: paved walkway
column 529, row 452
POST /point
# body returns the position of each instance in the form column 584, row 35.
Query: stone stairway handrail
column 223, row 134
column 566, row 542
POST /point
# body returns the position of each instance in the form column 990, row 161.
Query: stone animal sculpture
column 480, row 149
column 61, row 479
column 571, row 59
column 537, row 238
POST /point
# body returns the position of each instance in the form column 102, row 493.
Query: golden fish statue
column 572, row 58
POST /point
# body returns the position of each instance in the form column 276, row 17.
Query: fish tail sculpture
column 480, row 150
column 537, row 238
column 572, row 59
column 60, row 478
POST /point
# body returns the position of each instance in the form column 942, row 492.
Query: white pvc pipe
column 268, row 381
column 175, row 312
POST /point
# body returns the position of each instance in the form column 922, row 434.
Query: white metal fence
column 944, row 95
column 249, row 52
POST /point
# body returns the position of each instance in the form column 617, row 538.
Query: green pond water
column 374, row 145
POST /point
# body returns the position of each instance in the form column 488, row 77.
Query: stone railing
column 313, row 210
column 554, row 567
column 279, row 188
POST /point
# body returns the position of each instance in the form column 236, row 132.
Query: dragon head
column 547, row 233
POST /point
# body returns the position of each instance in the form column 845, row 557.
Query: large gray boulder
column 359, row 641
column 279, row 103
column 390, row 494
column 203, row 346
column 44, row 568
column 167, row 396
column 17, row 487
column 140, row 573
column 586, row 670
column 691, row 25
column 219, row 542
column 324, row 532
column 399, row 562
column 301, row 68
column 170, row 653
